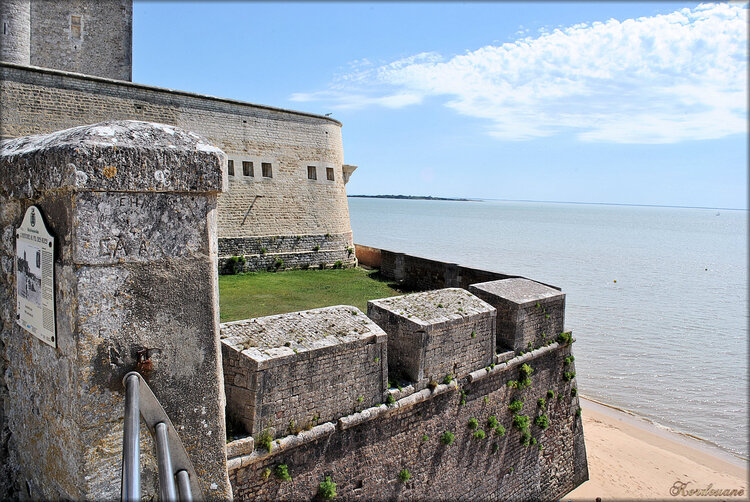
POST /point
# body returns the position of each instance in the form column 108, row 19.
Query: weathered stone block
column 132, row 208
column 528, row 313
column 296, row 370
column 435, row 333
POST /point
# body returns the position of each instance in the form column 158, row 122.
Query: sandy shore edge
column 630, row 458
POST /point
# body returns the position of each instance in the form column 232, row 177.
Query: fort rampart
column 272, row 210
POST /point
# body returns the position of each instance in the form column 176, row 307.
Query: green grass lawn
column 257, row 294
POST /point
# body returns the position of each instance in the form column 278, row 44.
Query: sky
column 632, row 103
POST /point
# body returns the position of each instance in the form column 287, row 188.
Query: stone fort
column 462, row 390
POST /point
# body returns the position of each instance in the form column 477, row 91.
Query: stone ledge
column 477, row 375
column 114, row 156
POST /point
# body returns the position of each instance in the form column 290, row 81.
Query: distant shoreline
column 414, row 197
column 429, row 197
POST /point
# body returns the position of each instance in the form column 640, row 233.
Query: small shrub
column 550, row 394
column 316, row 248
column 360, row 399
column 573, row 392
column 327, row 489
column 439, row 305
column 486, row 399
column 526, row 438
column 569, row 375
column 473, row 423
column 447, row 438
column 404, row 475
column 265, row 474
column 479, row 434
column 390, row 399
column 328, row 236
column 516, row 405
column 521, row 422
column 533, row 441
column 492, row 422
column 432, row 384
column 282, row 472
column 542, row 403
column 540, row 446
column 542, row 421
column 377, row 360
column 578, row 412
column 495, row 447
column 349, row 251
column 278, row 263
column 526, row 382
column 425, row 438
column 234, row 264
column 338, row 264
column 513, row 384
column 526, row 370
column 264, row 440
column 448, row 379
column 263, row 250
column 492, row 365
column 564, row 338
column 473, row 334
column 568, row 360
column 500, row 430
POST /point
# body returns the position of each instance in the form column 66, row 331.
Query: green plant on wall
column 282, row 472
column 516, row 405
column 541, row 403
column 473, row 423
column 565, row 338
column 264, row 440
column 235, row 264
column 327, row 489
column 404, row 475
column 542, row 421
column 447, row 438
column 479, row 434
column 569, row 375
column 448, row 379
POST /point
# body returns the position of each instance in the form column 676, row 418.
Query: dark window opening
column 329, row 173
column 247, row 168
column 266, row 168
column 312, row 173
column 75, row 27
column 230, row 167
column 5, row 28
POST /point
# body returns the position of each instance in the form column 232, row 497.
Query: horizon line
column 476, row 199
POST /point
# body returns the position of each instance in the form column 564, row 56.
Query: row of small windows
column 266, row 170
column 248, row 169
column 312, row 173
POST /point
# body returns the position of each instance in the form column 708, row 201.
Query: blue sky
column 641, row 103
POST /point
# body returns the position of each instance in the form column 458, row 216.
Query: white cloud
column 661, row 79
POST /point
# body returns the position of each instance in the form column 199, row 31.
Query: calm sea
column 657, row 298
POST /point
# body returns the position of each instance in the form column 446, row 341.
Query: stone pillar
column 529, row 314
column 132, row 207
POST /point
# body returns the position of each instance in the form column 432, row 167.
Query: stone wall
column 421, row 274
column 291, row 371
column 254, row 208
column 365, row 452
column 435, row 334
column 132, row 207
column 94, row 38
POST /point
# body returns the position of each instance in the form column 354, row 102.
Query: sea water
column 657, row 297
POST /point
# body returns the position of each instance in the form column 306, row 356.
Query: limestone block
column 303, row 368
column 435, row 333
column 132, row 207
column 528, row 313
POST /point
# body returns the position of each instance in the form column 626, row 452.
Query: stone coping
column 433, row 307
column 284, row 335
column 522, row 292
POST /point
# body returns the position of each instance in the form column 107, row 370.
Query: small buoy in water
column 615, row 280
column 706, row 270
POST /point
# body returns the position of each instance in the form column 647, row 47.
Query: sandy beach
column 632, row 458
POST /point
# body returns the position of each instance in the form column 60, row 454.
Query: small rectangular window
column 266, row 168
column 329, row 173
column 75, row 27
column 312, row 173
column 247, row 168
column 230, row 167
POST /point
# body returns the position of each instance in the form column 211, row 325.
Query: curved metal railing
column 177, row 478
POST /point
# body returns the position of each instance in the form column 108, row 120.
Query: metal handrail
column 172, row 459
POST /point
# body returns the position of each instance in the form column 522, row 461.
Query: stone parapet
column 291, row 371
column 529, row 314
column 434, row 334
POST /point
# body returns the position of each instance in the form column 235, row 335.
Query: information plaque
column 35, row 277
